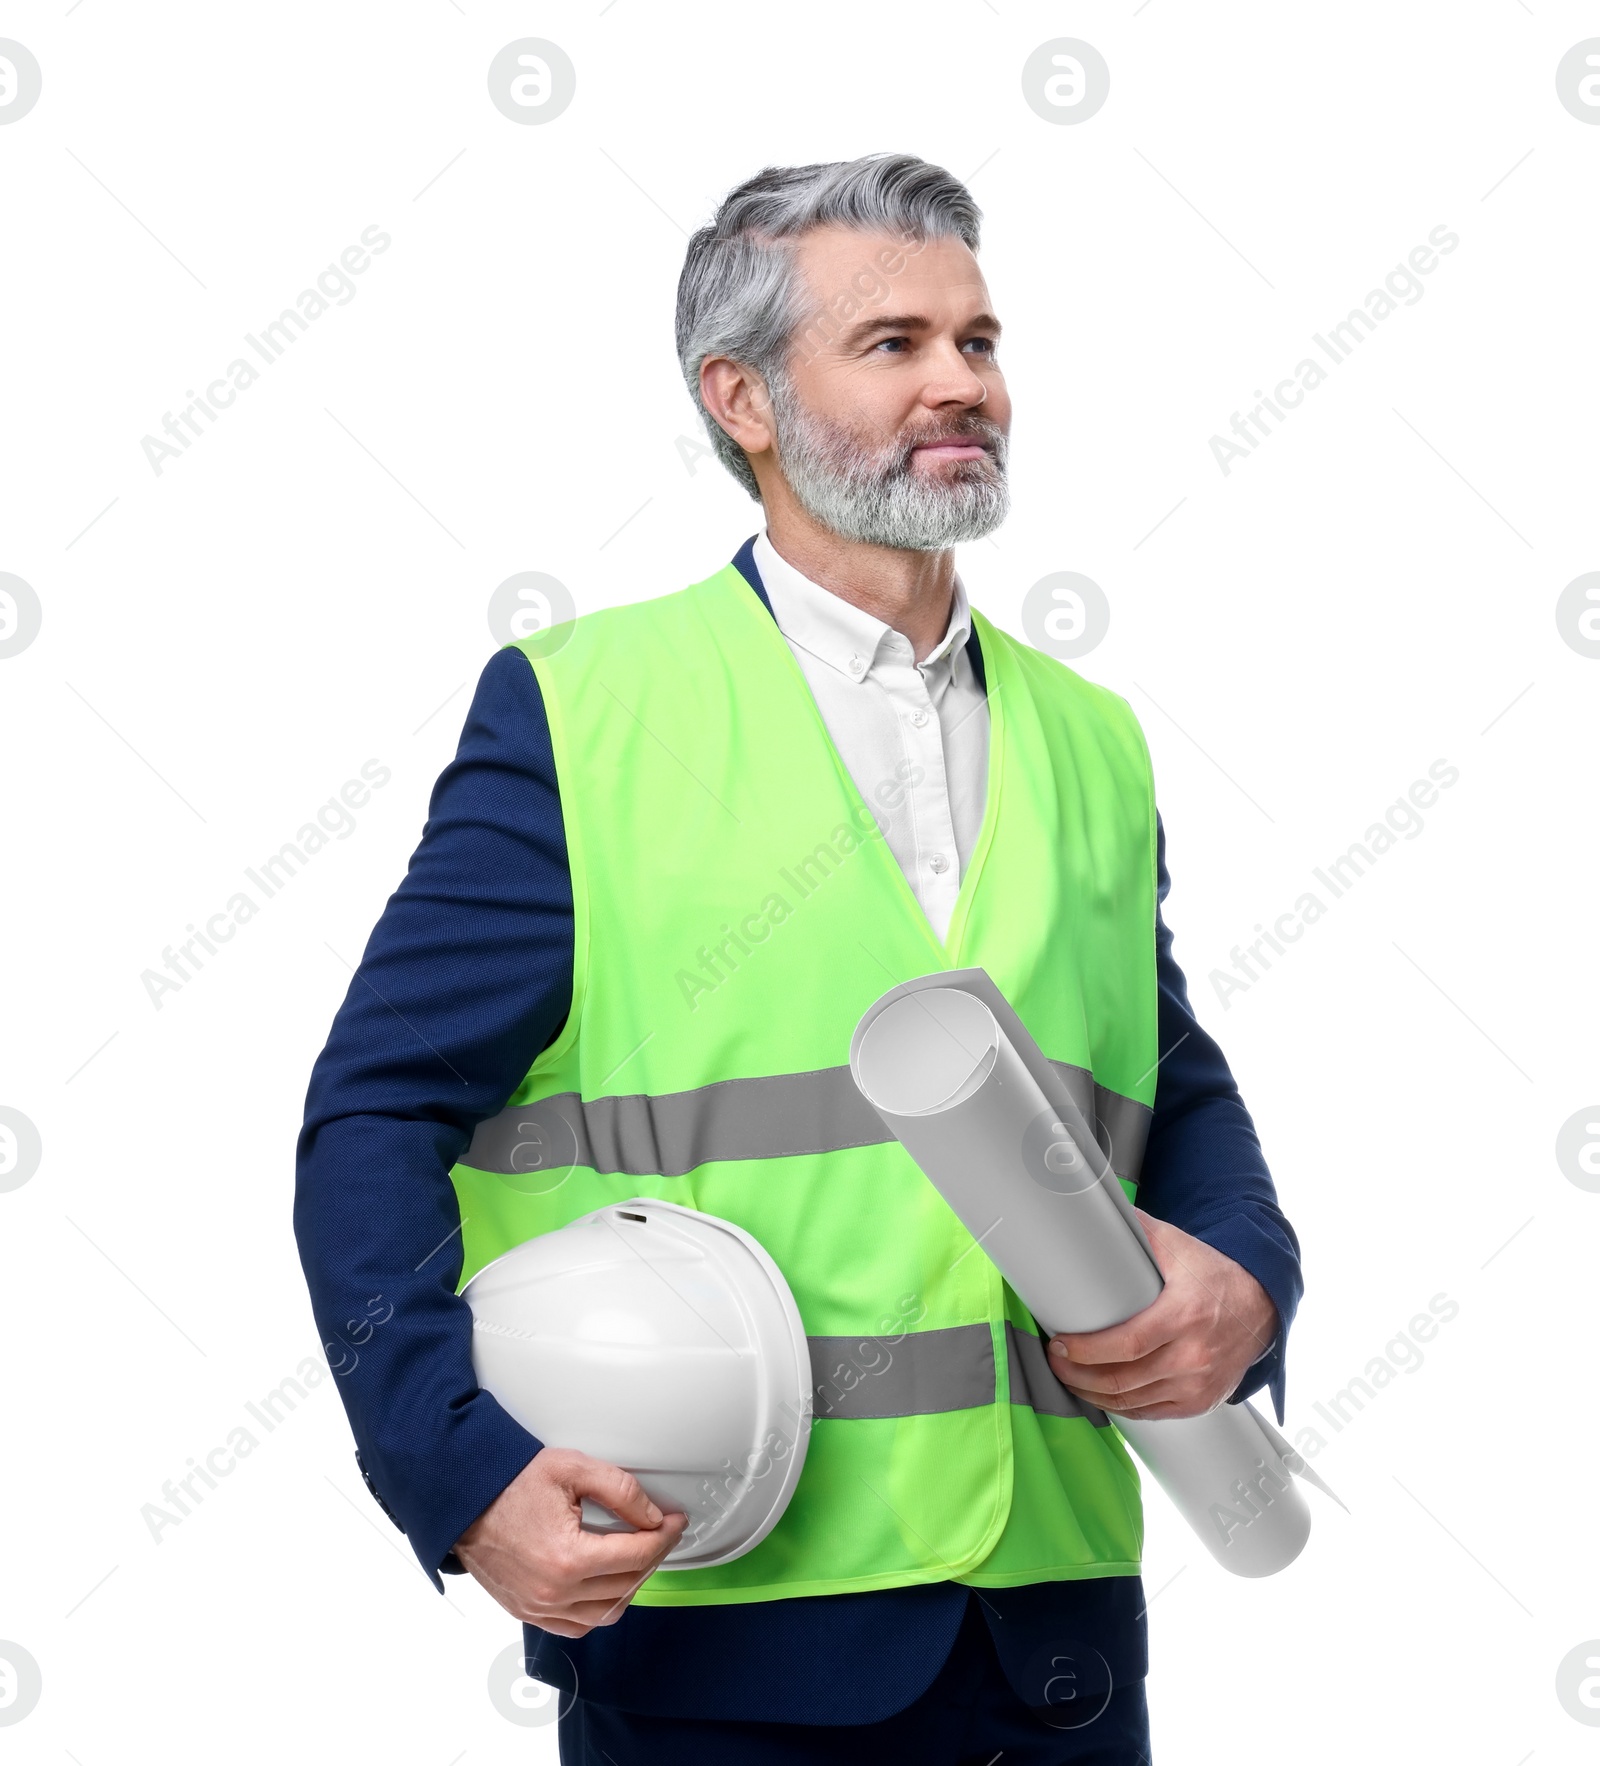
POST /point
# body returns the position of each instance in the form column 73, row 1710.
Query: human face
column 891, row 417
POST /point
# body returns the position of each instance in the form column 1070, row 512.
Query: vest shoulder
column 1051, row 675
column 631, row 627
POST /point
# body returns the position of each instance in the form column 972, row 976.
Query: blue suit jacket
column 466, row 977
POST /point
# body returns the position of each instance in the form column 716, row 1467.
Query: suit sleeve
column 466, row 977
column 1204, row 1170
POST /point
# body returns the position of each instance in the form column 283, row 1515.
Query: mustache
column 877, row 452
column 982, row 433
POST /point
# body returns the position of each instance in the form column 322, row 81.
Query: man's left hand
column 1188, row 1350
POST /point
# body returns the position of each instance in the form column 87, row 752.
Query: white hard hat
column 667, row 1342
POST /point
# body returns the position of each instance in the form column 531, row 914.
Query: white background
column 224, row 644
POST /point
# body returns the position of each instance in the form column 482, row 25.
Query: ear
column 736, row 396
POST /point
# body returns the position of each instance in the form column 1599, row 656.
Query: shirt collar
column 836, row 630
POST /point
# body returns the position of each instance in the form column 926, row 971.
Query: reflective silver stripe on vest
column 1124, row 1125
column 923, row 1372
column 914, row 1374
column 672, row 1133
column 1033, row 1383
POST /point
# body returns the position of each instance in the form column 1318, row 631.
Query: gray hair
column 741, row 293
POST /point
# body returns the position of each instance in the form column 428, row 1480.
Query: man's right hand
column 529, row 1549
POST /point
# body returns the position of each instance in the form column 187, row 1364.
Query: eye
column 987, row 345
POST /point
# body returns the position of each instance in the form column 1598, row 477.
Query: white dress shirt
column 921, row 726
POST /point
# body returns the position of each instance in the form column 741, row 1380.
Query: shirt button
column 940, row 863
column 858, row 666
column 919, row 717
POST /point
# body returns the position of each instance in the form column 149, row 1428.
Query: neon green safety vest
column 736, row 911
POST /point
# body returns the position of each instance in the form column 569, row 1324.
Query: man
column 683, row 844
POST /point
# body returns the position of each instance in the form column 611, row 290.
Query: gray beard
column 879, row 498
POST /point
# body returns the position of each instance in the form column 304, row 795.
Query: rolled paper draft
column 956, row 1078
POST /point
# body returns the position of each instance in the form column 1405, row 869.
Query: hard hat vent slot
column 623, row 1214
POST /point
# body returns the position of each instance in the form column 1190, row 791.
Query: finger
column 564, row 1622
column 1178, row 1395
column 607, row 1612
column 610, row 1588
column 610, row 1583
column 1125, row 1403
column 618, row 1490
column 1134, row 1338
column 1173, row 1355
column 596, row 1612
column 1171, row 1362
column 596, row 1600
column 1102, row 1390
column 1166, row 1410
column 560, row 1627
column 1123, row 1400
column 606, row 1554
column 1174, row 1363
column 1110, row 1396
